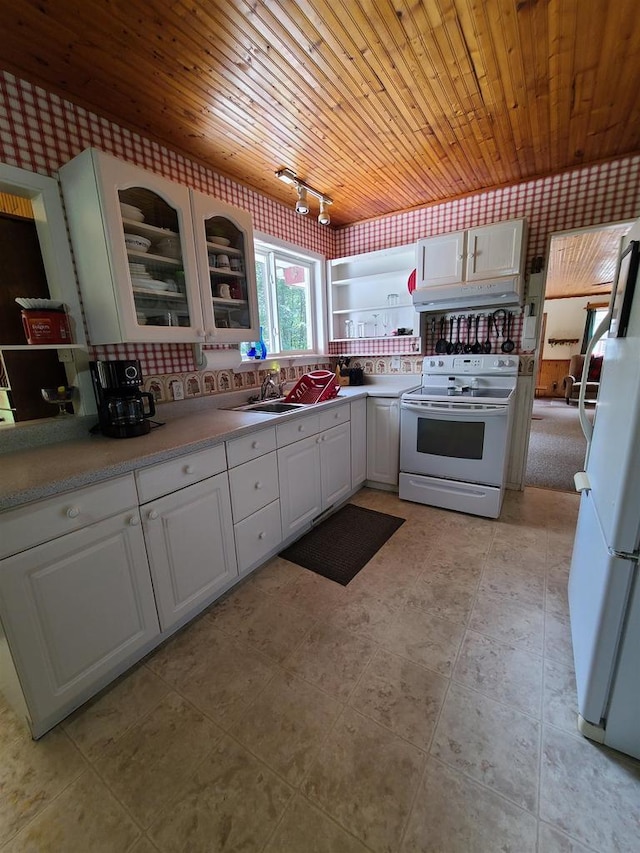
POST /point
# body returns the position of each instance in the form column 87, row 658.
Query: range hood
column 492, row 293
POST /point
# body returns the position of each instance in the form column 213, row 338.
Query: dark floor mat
column 340, row 546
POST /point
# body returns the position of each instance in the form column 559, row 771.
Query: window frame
column 265, row 244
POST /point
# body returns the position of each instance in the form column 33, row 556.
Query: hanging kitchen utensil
column 487, row 344
column 441, row 343
column 496, row 315
column 508, row 345
column 477, row 346
column 467, row 346
column 459, row 345
column 450, row 345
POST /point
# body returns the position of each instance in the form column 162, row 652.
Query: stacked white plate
column 130, row 212
column 138, row 271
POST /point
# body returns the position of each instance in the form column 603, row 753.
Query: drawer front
column 39, row 522
column 257, row 535
column 166, row 477
column 297, row 428
column 334, row 416
column 249, row 447
column 253, row 485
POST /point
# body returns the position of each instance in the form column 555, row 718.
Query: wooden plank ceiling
column 583, row 264
column 381, row 104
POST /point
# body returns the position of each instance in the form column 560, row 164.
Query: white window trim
column 267, row 242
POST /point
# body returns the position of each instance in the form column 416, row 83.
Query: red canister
column 46, row 327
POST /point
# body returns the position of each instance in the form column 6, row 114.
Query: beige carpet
column 557, row 446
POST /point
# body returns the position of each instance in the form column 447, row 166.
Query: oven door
column 455, row 441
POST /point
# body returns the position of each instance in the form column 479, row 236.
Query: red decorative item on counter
column 314, row 387
column 46, row 327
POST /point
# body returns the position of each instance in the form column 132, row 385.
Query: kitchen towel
column 342, row 544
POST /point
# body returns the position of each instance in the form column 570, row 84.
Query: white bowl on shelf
column 169, row 247
column 219, row 241
column 128, row 211
column 137, row 243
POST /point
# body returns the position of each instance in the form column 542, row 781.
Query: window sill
column 283, row 360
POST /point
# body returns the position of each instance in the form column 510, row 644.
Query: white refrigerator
column 604, row 588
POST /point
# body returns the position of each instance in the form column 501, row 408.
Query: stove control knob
column 441, row 363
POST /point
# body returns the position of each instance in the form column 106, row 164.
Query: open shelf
column 25, row 347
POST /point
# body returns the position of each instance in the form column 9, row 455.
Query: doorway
column 579, row 278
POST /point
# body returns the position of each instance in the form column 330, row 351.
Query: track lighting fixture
column 323, row 216
column 303, row 190
column 301, row 204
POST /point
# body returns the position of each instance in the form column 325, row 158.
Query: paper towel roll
column 216, row 359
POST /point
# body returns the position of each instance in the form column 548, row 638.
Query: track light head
column 302, row 206
column 323, row 216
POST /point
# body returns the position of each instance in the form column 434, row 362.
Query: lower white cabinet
column 73, row 610
column 358, row 442
column 314, row 474
column 258, row 535
column 383, row 440
column 189, row 536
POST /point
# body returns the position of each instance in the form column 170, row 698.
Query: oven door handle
column 460, row 411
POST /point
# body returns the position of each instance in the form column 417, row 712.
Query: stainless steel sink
column 269, row 407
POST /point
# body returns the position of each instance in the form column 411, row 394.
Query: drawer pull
column 188, row 469
column 255, row 445
column 300, row 428
column 73, row 512
column 318, row 439
column 261, row 535
column 134, row 521
column 153, row 514
column 336, row 416
column 258, row 485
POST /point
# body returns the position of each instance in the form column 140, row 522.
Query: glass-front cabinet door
column 226, row 266
column 132, row 236
column 154, row 255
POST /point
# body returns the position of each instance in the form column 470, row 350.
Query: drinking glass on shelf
column 375, row 325
column 361, row 330
column 386, row 323
column 348, row 328
column 392, row 299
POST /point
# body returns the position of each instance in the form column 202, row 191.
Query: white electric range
column 455, row 430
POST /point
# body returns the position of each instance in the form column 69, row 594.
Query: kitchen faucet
column 268, row 388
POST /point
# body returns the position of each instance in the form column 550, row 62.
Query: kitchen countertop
column 39, row 472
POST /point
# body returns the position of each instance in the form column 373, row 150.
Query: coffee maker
column 121, row 409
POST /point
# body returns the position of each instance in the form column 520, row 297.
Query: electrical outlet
column 177, row 390
column 395, row 363
column 65, row 356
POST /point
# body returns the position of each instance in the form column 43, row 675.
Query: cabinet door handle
column 134, row 520
column 255, row 445
column 300, row 428
column 318, row 439
column 336, row 416
column 73, row 512
column 258, row 485
column 261, row 534
column 153, row 514
column 200, row 333
column 188, row 469
column 461, row 257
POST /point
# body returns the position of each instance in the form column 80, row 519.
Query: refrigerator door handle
column 581, row 480
column 585, row 423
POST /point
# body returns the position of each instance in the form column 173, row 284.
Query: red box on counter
column 46, row 327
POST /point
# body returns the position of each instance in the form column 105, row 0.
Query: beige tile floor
column 428, row 706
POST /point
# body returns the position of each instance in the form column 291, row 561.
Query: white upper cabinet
column 224, row 248
column 495, row 250
column 442, row 258
column 490, row 251
column 141, row 248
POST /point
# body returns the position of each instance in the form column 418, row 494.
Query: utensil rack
column 314, row 387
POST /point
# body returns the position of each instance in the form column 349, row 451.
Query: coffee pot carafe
column 121, row 404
